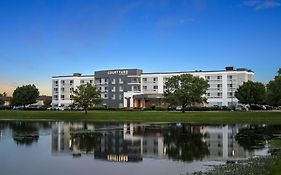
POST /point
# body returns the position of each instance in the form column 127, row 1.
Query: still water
column 56, row 148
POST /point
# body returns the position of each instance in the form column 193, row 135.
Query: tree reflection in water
column 25, row 133
column 256, row 136
column 86, row 142
column 185, row 144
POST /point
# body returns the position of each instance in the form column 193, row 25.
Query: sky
column 44, row 38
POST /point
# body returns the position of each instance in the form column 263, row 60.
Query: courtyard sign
column 118, row 72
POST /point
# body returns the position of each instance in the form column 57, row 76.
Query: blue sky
column 40, row 39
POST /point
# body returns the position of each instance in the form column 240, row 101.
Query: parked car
column 76, row 108
column 5, row 107
column 240, row 108
column 171, row 108
column 53, row 108
column 257, row 107
column 178, row 108
column 18, row 108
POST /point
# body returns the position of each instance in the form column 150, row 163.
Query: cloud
column 262, row 4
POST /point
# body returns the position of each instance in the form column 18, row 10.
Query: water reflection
column 257, row 136
column 135, row 142
column 23, row 133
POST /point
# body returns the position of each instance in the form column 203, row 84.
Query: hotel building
column 133, row 88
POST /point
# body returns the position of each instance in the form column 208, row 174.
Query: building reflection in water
column 133, row 142
column 222, row 144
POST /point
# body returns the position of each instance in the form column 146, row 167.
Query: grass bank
column 207, row 117
column 264, row 165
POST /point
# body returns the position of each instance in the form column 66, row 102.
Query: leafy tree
column 274, row 90
column 47, row 101
column 251, row 93
column 25, row 95
column 2, row 102
column 86, row 95
column 185, row 90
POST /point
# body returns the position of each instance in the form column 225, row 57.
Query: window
column 105, row 95
column 120, row 88
column 144, row 88
column 229, row 76
column 71, row 96
column 120, row 97
column 105, row 88
column 55, row 89
column 120, row 81
column 207, row 77
column 113, row 89
column 62, row 89
column 144, row 79
column 113, row 97
column 113, row 81
column 219, row 77
column 71, row 82
column 62, row 96
column 155, row 79
column 208, row 94
column 155, row 88
column 165, row 79
column 219, row 94
column 82, row 81
column 56, row 82
column 55, row 96
column 134, row 80
column 91, row 81
column 230, row 85
column 105, row 81
column 62, row 82
column 71, row 89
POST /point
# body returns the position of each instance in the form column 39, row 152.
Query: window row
column 112, row 97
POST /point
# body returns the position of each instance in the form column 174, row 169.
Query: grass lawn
column 208, row 117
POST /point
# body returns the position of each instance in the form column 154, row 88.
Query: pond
column 31, row 148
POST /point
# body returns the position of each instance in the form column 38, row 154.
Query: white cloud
column 262, row 4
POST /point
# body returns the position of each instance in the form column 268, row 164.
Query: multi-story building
column 113, row 84
column 132, row 88
column 62, row 87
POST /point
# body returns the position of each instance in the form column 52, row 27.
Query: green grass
column 275, row 169
column 210, row 117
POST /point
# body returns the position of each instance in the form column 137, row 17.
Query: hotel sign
column 118, row 72
column 117, row 158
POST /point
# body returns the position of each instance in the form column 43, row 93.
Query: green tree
column 86, row 95
column 47, row 102
column 2, row 102
column 25, row 95
column 185, row 90
column 251, row 93
column 274, row 90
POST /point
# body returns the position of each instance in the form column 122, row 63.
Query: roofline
column 199, row 71
column 65, row 76
column 118, row 69
column 149, row 73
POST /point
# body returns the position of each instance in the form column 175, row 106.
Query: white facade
column 62, row 87
column 223, row 84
